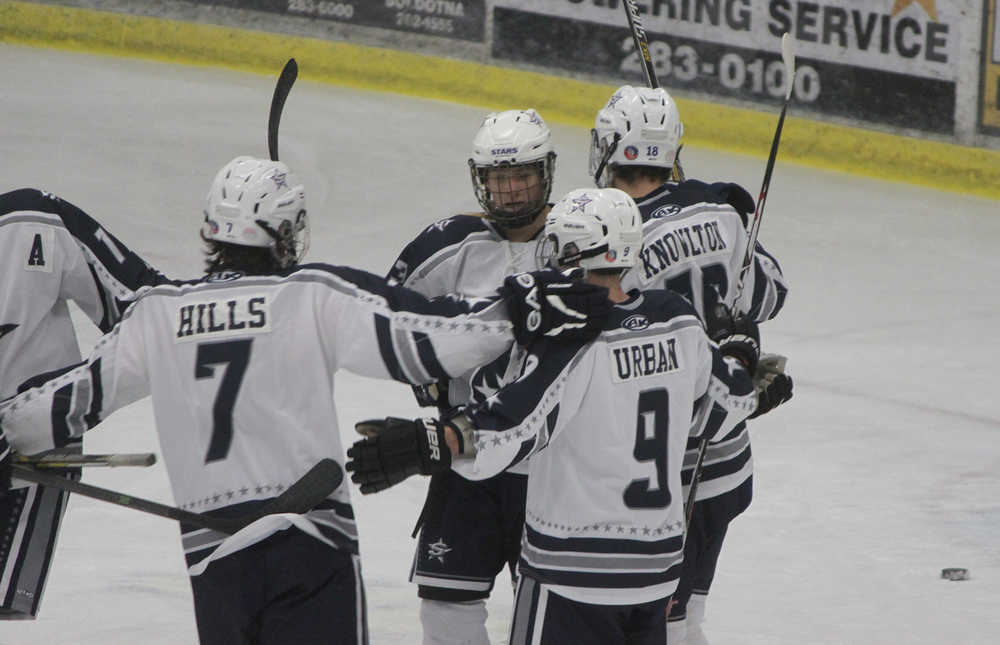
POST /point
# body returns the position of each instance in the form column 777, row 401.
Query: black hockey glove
column 549, row 303
column 737, row 335
column 395, row 449
column 773, row 386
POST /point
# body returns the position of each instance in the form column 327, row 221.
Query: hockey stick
column 75, row 460
column 311, row 489
column 788, row 56
column 285, row 81
column 641, row 44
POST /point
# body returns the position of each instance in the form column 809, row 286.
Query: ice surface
column 883, row 470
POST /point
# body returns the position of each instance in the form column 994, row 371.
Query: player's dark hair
column 633, row 174
column 251, row 260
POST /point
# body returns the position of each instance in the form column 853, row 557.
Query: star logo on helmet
column 534, row 118
column 580, row 203
column 280, row 179
column 617, row 96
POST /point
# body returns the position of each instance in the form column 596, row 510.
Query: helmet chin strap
column 574, row 258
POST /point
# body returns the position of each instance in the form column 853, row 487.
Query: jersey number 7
column 235, row 355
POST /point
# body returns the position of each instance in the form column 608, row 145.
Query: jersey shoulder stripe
column 442, row 238
column 649, row 308
column 670, row 199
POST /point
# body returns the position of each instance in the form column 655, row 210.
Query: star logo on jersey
column 280, row 179
column 484, row 383
column 928, row 5
column 440, row 225
column 6, row 329
column 580, row 203
column 437, row 550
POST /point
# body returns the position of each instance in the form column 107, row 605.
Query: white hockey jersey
column 605, row 425
column 466, row 254
column 52, row 252
column 694, row 237
column 241, row 371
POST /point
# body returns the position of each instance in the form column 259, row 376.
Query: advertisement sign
column 461, row 19
column 887, row 61
column 989, row 96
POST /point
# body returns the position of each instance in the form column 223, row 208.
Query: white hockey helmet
column 257, row 202
column 512, row 164
column 639, row 126
column 593, row 228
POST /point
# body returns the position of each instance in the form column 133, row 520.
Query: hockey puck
column 955, row 573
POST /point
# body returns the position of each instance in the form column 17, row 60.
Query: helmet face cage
column 601, row 149
column 592, row 229
column 258, row 203
column 512, row 195
column 637, row 127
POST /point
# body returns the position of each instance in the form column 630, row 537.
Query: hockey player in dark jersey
column 240, row 367
column 694, row 238
column 51, row 252
column 470, row 530
column 604, row 424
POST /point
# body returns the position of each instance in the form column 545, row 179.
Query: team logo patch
column 280, row 179
column 638, row 322
column 437, row 550
column 631, row 153
column 224, row 276
column 579, row 203
column 666, row 211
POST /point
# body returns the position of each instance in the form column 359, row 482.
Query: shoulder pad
column 693, row 191
column 450, row 231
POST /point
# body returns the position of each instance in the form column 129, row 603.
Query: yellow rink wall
column 875, row 154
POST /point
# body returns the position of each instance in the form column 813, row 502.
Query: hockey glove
column 773, row 386
column 737, row 335
column 550, row 303
column 394, row 449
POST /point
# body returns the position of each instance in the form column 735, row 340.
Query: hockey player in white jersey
column 469, row 531
column 240, row 365
column 694, row 239
column 51, row 252
column 605, row 424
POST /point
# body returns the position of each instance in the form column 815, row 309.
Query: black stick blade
column 281, row 90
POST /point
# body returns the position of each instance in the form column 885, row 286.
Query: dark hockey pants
column 287, row 589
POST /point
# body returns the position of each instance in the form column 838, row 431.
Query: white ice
column 884, row 469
